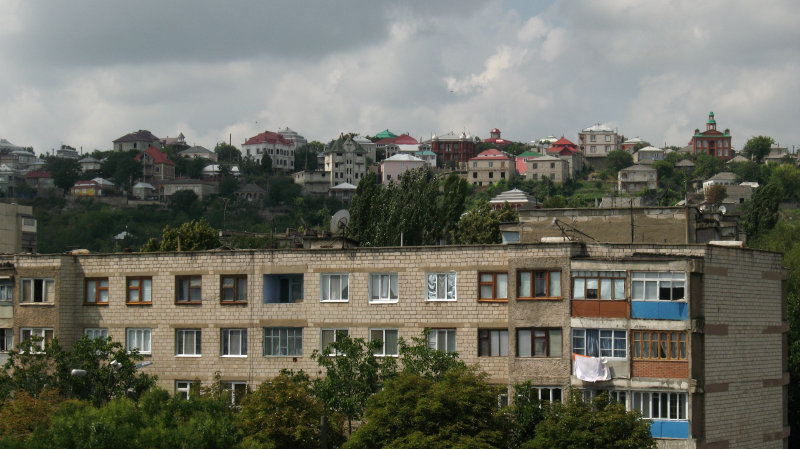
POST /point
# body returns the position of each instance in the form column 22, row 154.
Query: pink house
column 393, row 168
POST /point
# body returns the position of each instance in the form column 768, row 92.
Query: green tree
column 715, row 194
column 186, row 201
column 481, row 225
column 748, row 171
column 787, row 178
column 555, row 202
column 526, row 413
column 227, row 186
column 23, row 414
column 760, row 213
column 266, row 164
column 65, row 171
column 365, row 210
column 106, row 370
column 284, row 412
column 602, row 424
column 305, row 157
column 413, row 411
column 706, row 165
column 32, row 366
column 195, row 235
column 757, row 148
column 121, row 168
column 352, row 374
column 422, row 360
column 619, row 159
column 156, row 421
column 452, row 202
column 227, row 153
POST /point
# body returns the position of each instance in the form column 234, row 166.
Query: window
column 188, row 289
column 184, row 388
column 593, row 138
column 6, row 339
column 533, row 284
column 608, row 138
column 598, row 285
column 96, row 332
column 441, row 287
column 187, row 342
column 491, row 174
column 331, row 335
column 614, row 395
column 653, row 286
column 599, row 342
column 233, row 342
column 37, row 290
column 388, row 339
column 283, row 341
column 533, row 342
column 549, row 394
column 493, row 286
column 233, row 289
column 383, row 287
column 442, row 339
column 139, row 340
column 283, row 288
column 593, row 149
column 334, row 287
column 45, row 335
column 659, row 345
column 140, row 290
column 96, row 291
column 237, row 391
column 6, row 290
column 660, row 405
column 492, row 342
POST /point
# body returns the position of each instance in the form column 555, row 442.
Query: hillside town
column 597, row 264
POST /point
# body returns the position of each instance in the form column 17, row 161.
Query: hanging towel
column 590, row 369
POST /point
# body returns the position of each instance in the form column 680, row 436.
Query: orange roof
column 491, row 154
column 158, row 156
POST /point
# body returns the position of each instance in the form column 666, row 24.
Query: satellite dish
column 339, row 221
column 722, row 210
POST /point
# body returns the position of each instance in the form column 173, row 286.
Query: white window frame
column 6, row 339
column 383, row 351
column 284, row 339
column 328, row 280
column 644, row 281
column 336, row 333
column 232, row 386
column 26, row 333
column 644, row 402
column 620, row 396
column 435, row 279
column 184, row 388
column 229, row 335
column 139, row 338
column 548, row 392
column 616, row 343
column 48, row 284
column 434, row 339
column 96, row 332
column 188, row 347
column 383, row 283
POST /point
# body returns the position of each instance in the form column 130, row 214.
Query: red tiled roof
column 497, row 141
column 563, row 147
column 38, row 174
column 268, row 137
column 158, row 156
column 563, row 142
column 490, row 154
column 405, row 139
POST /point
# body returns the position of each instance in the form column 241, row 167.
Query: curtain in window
column 592, row 343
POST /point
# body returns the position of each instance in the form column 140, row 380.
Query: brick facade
column 729, row 308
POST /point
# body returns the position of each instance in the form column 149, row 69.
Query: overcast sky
column 85, row 72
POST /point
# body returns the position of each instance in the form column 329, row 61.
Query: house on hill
column 711, row 141
column 489, row 167
column 568, row 151
column 156, row 166
column 137, row 140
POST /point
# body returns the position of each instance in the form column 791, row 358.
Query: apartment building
column 693, row 336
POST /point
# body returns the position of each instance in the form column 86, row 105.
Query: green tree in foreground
column 601, row 424
column 352, row 374
column 196, row 235
column 526, row 413
column 284, row 412
column 413, row 411
column 757, row 148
